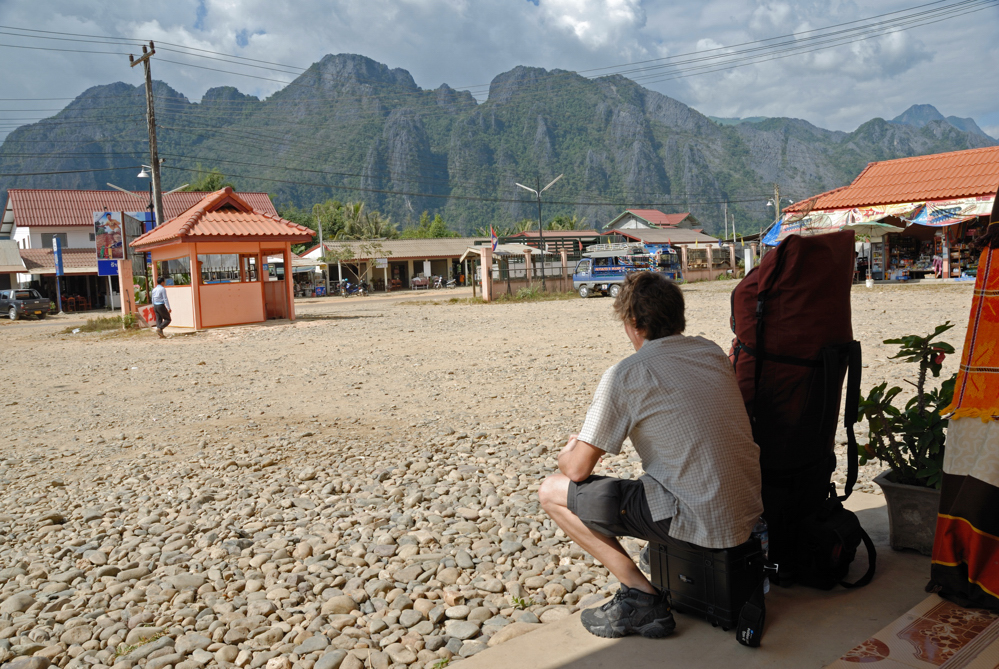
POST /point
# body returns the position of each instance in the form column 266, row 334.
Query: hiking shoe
column 631, row 611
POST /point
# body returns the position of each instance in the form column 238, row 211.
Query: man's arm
column 578, row 459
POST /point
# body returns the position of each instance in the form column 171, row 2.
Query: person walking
column 161, row 305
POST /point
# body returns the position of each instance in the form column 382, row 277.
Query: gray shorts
column 616, row 508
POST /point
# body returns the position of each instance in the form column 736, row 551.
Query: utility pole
column 322, row 255
column 154, row 156
column 541, row 234
column 776, row 204
column 726, row 220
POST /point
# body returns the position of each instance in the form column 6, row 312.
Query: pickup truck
column 23, row 302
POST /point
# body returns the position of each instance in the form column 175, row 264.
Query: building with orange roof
column 936, row 203
column 214, row 257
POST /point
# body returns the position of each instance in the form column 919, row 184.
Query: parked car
column 604, row 267
column 23, row 302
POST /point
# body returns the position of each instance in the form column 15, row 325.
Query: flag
column 493, row 237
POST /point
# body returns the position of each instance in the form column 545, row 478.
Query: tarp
column 937, row 213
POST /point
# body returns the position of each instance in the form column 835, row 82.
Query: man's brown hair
column 653, row 303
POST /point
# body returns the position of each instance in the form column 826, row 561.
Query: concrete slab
column 805, row 627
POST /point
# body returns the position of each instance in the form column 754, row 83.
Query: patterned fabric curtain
column 965, row 561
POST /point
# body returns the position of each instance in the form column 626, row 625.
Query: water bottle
column 761, row 532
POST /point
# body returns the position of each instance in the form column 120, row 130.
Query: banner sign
column 949, row 212
column 57, row 252
column 938, row 213
column 109, row 235
column 107, row 268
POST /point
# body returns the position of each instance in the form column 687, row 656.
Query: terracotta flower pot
column 912, row 514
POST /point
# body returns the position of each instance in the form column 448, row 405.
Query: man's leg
column 554, row 494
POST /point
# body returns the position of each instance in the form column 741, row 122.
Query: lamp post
column 541, row 234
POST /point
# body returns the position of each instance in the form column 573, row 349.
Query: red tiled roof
column 39, row 207
column 658, row 218
column 939, row 176
column 74, row 261
column 810, row 203
column 224, row 215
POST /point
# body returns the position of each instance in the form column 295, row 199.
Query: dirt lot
column 383, row 440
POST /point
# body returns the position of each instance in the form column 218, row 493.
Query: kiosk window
column 177, row 272
column 219, row 268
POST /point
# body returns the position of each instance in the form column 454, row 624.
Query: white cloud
column 596, row 23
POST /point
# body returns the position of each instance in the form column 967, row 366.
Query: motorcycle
column 452, row 283
column 347, row 288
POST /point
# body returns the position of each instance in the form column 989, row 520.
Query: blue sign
column 107, row 267
column 57, row 252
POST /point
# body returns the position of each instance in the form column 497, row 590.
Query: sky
column 950, row 64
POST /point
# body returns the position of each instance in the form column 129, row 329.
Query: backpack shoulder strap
column 872, row 563
column 850, row 413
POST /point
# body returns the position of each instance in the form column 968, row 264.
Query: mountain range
column 357, row 130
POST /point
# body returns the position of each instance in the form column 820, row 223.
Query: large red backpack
column 793, row 347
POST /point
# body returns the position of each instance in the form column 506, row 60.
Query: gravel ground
column 356, row 489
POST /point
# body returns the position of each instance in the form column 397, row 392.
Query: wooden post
column 289, row 281
column 565, row 269
column 487, row 273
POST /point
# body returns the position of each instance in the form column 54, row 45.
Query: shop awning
column 937, row 213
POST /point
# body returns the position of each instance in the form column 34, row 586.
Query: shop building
column 396, row 264
column 914, row 217
column 215, row 260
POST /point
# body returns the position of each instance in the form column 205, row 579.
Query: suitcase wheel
column 714, row 623
column 725, row 629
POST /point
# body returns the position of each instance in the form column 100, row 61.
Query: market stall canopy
column 872, row 230
column 936, row 190
column 223, row 216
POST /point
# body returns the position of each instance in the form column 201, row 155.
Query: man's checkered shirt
column 678, row 400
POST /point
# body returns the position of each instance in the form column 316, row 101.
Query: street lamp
column 541, row 234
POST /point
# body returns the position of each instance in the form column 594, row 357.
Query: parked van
column 604, row 267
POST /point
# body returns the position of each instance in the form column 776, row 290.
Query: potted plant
column 910, row 441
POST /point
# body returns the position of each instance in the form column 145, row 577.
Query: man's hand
column 578, row 458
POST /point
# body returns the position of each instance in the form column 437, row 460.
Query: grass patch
column 527, row 294
column 521, row 603
column 105, row 323
column 123, row 650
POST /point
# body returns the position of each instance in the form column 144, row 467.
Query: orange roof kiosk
column 214, row 259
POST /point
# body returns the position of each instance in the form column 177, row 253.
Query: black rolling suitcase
column 714, row 584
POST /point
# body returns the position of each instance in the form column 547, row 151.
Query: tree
column 331, row 214
column 361, row 224
column 563, row 222
column 429, row 229
column 208, row 181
